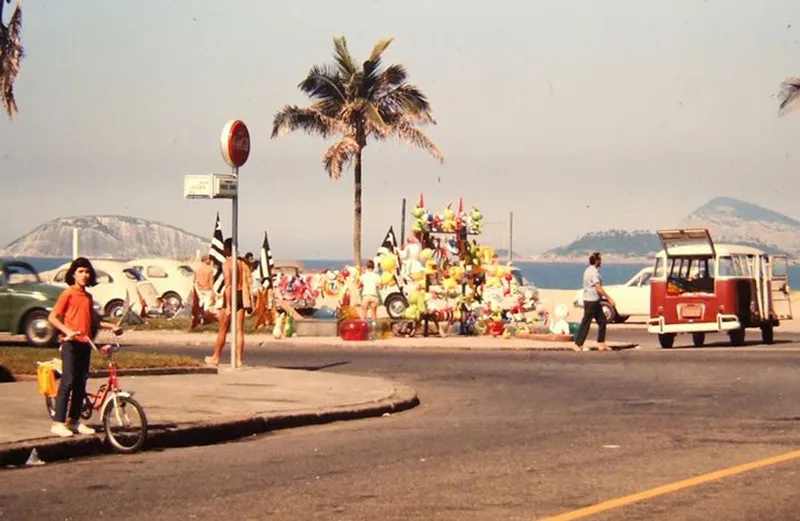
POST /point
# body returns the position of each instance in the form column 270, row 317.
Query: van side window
column 658, row 271
column 725, row 267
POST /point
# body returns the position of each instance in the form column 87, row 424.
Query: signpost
column 235, row 148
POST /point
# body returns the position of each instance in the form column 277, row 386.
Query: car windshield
column 21, row 273
column 133, row 274
column 517, row 274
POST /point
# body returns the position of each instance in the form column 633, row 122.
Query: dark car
column 25, row 303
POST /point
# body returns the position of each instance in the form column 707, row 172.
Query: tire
column 609, row 311
column 50, row 404
column 768, row 334
column 125, row 443
column 38, row 330
column 737, row 337
column 395, row 305
column 114, row 308
column 172, row 303
column 698, row 339
column 666, row 340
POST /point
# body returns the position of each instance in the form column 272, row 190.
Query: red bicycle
column 124, row 420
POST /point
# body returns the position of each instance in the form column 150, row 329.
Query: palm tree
column 356, row 103
column 789, row 96
column 11, row 54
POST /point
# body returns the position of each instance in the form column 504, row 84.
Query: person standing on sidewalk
column 592, row 293
column 244, row 281
column 370, row 284
column 75, row 317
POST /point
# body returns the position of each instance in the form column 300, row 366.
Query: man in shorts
column 370, row 284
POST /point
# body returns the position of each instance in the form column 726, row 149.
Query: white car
column 631, row 298
column 172, row 279
column 114, row 278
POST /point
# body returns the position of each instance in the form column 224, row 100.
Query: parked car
column 172, row 279
column 630, row 298
column 114, row 278
column 25, row 303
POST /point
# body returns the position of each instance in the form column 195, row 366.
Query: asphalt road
column 499, row 435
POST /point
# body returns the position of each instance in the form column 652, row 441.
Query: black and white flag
column 217, row 254
column 389, row 244
column 265, row 273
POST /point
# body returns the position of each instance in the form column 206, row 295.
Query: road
column 499, row 435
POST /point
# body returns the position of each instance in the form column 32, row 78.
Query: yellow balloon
column 387, row 279
column 388, row 263
column 426, row 254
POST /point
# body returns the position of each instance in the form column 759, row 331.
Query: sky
column 575, row 115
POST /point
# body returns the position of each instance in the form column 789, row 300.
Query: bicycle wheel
column 125, row 424
column 50, row 403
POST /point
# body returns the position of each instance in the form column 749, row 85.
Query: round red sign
column 235, row 143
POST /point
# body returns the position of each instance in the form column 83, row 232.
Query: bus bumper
column 723, row 323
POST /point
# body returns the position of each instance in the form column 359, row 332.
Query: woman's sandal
column 210, row 361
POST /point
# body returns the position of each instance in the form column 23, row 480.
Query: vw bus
column 700, row 287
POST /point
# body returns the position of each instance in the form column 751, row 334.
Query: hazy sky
column 576, row 115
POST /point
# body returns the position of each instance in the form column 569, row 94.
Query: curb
column 145, row 371
column 202, row 433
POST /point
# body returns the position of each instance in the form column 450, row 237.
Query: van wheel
column 768, row 334
column 666, row 340
column 737, row 336
column 395, row 304
column 698, row 339
column 609, row 312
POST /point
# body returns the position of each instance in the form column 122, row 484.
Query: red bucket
column 354, row 330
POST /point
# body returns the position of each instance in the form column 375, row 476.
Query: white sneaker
column 59, row 429
column 82, row 428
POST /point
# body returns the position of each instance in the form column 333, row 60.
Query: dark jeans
column 75, row 358
column 591, row 310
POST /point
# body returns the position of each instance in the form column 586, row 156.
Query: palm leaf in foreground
column 789, row 96
column 11, row 54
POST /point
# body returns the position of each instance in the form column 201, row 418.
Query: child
column 74, row 316
column 370, row 284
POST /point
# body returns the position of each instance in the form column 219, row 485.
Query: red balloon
column 345, row 273
column 508, row 277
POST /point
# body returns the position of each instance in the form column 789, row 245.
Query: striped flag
column 217, row 254
column 389, row 244
column 265, row 273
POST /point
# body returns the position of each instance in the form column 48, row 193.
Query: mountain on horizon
column 107, row 236
column 729, row 220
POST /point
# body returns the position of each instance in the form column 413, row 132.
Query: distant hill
column 729, row 220
column 107, row 236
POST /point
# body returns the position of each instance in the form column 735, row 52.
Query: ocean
column 553, row 275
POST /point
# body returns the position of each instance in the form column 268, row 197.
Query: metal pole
column 510, row 236
column 234, row 267
column 403, row 223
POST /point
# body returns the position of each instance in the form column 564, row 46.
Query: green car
column 25, row 303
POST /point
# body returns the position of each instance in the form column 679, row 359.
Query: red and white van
column 700, row 287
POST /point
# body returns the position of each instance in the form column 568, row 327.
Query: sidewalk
column 183, row 338
column 199, row 409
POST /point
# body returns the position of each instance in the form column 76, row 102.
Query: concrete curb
column 209, row 432
column 149, row 371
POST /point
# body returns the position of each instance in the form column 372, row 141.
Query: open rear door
column 698, row 238
column 781, row 294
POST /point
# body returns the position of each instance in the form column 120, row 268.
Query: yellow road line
column 672, row 487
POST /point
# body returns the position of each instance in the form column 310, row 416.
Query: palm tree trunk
column 356, row 210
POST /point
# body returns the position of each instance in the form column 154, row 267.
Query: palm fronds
column 789, row 96
column 11, row 54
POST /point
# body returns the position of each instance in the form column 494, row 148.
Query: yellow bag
column 46, row 375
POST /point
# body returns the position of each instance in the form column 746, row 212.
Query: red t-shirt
column 75, row 305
